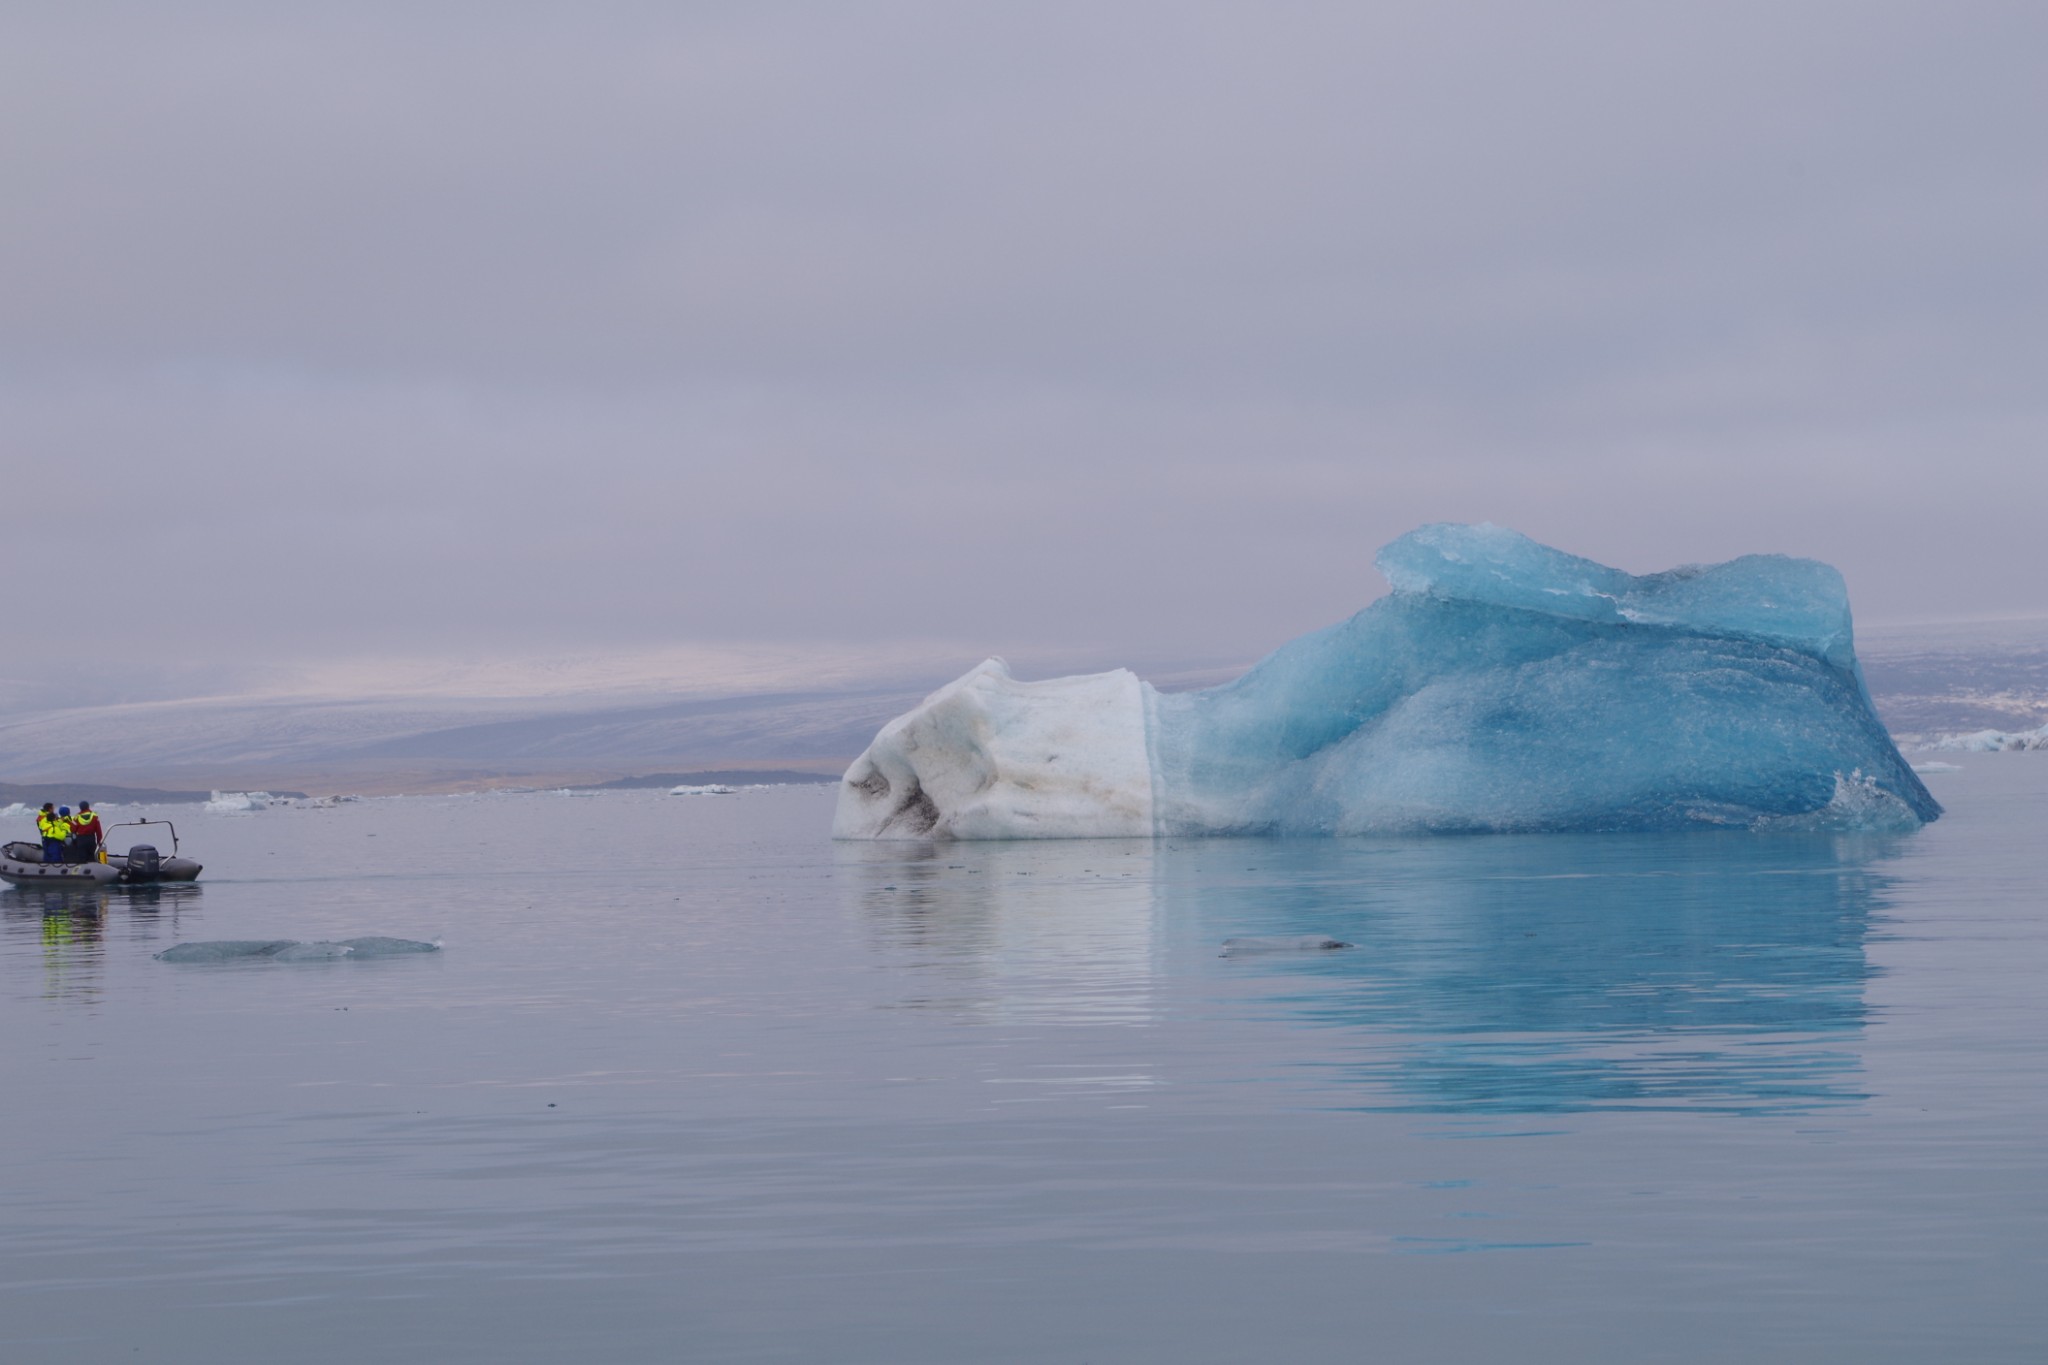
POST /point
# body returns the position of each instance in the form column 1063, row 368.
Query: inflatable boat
column 22, row 864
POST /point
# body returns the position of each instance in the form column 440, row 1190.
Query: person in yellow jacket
column 55, row 829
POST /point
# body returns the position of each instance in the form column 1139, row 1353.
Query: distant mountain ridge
column 340, row 745
column 1926, row 682
column 70, row 793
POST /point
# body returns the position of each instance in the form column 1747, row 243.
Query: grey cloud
column 1133, row 327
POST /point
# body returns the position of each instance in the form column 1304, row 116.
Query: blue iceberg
column 1502, row 685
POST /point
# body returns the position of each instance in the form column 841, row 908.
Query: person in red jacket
column 85, row 835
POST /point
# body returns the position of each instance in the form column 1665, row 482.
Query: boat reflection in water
column 1491, row 975
column 71, row 925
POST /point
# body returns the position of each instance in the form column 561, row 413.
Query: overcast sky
column 1126, row 330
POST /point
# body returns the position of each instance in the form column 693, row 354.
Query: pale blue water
column 689, row 1082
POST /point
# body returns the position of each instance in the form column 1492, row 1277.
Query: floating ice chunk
column 707, row 789
column 1289, row 943
column 1503, row 685
column 292, row 950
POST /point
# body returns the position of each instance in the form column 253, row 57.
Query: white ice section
column 704, row 789
column 989, row 757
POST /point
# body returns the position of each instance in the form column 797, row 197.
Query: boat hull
column 21, row 864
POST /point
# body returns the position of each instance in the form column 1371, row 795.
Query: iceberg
column 1501, row 686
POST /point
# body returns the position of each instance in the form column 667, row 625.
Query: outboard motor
column 143, row 863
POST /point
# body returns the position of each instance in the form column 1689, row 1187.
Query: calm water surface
column 689, row 1082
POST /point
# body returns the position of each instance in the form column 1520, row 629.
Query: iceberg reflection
column 1560, row 973
column 1718, row 971
column 1052, row 932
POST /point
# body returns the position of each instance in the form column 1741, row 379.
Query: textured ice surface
column 1502, row 685
column 376, row 946
column 226, row 950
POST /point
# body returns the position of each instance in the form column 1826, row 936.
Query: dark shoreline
column 70, row 793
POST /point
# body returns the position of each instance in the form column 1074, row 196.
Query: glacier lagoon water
column 690, row 1082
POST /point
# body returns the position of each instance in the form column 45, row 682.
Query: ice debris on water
column 1502, row 685
column 702, row 789
column 1286, row 943
column 1992, row 741
column 292, row 950
column 236, row 802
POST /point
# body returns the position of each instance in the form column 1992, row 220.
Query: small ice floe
column 229, row 802
column 1937, row 767
column 292, row 950
column 707, row 789
column 1285, row 943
